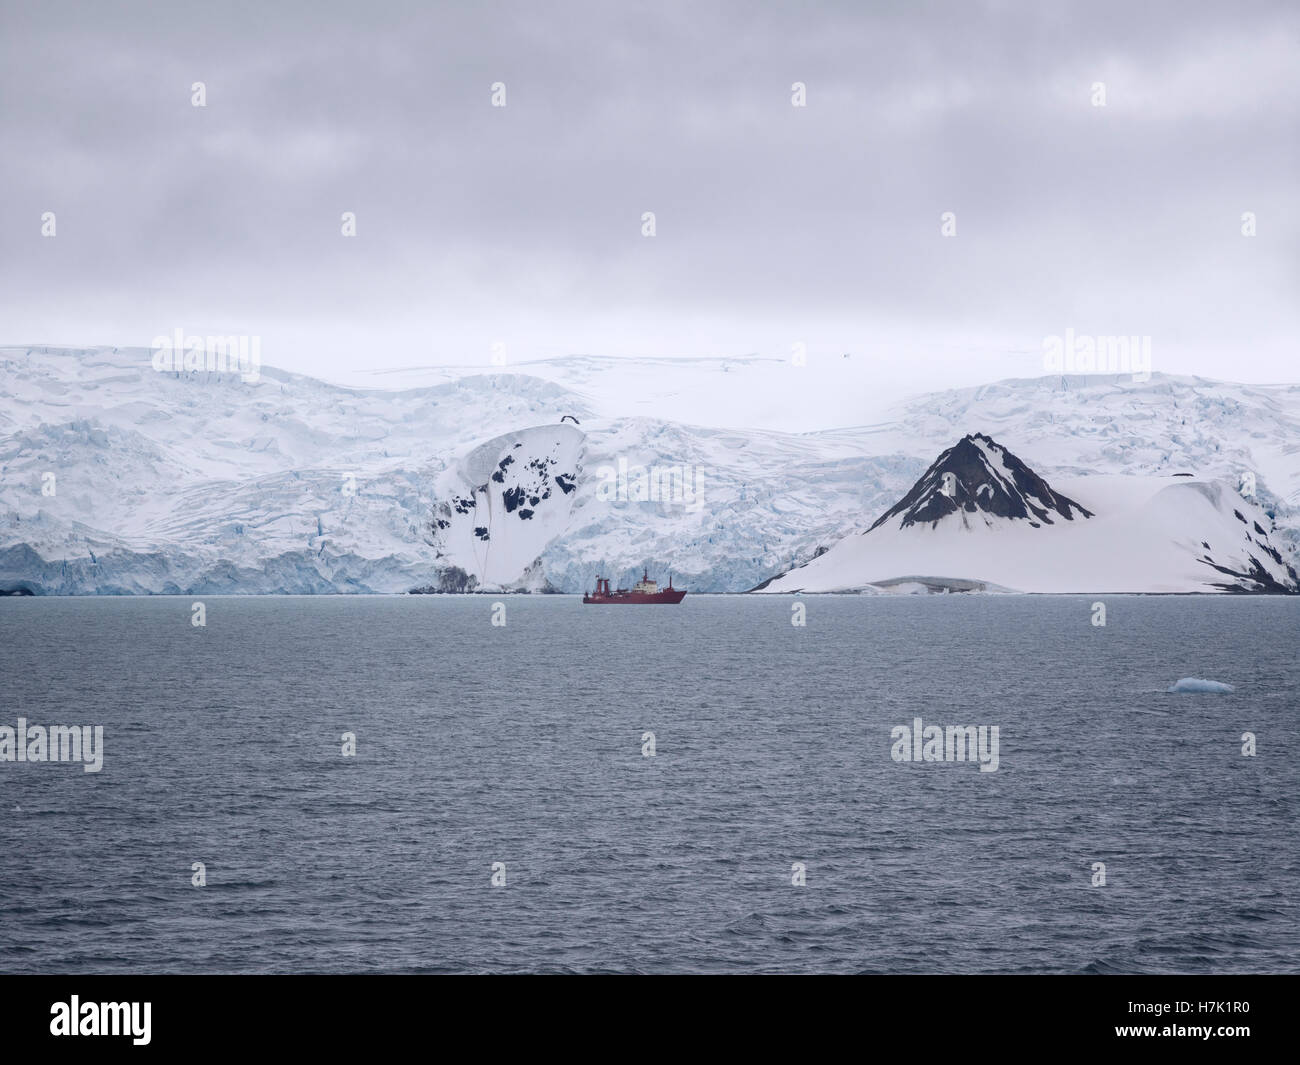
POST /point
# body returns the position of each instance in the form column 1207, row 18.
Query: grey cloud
column 1122, row 218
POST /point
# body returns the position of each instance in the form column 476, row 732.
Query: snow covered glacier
column 115, row 478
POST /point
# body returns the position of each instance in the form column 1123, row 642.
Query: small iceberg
column 1194, row 684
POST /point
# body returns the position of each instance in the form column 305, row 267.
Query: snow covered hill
column 502, row 504
column 1245, row 435
column 115, row 478
column 980, row 519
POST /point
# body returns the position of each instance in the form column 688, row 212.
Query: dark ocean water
column 522, row 744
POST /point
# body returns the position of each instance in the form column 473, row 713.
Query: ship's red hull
column 668, row 595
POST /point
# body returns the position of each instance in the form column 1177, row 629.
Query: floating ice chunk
column 1193, row 684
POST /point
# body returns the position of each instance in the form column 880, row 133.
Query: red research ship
column 644, row 591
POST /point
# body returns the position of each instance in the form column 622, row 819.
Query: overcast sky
column 774, row 224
